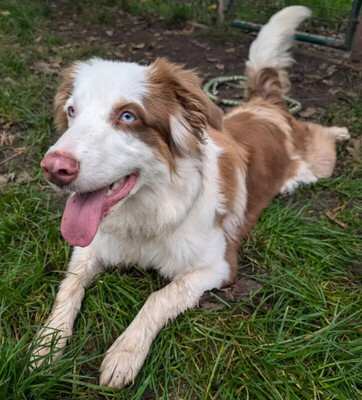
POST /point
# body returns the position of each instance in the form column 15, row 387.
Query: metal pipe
column 325, row 41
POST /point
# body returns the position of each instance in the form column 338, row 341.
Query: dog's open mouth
column 84, row 212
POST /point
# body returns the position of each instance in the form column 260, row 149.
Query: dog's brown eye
column 71, row 111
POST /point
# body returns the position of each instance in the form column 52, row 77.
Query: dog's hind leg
column 84, row 265
column 340, row 133
column 321, row 148
column 315, row 152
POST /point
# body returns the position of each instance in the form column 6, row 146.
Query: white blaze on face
column 103, row 83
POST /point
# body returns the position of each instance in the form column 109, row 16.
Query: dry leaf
column 50, row 68
column 230, row 50
column 331, row 70
column 5, row 13
column 7, row 126
column 354, row 148
column 9, row 80
column 2, row 180
column 110, row 32
column 138, row 46
column 197, row 24
column 220, row 66
column 188, row 31
column 23, row 177
column 312, row 77
column 11, row 177
column 6, row 138
column 238, row 86
column 196, row 43
column 58, row 59
column 309, row 112
column 328, row 82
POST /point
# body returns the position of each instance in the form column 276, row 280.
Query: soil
column 319, row 76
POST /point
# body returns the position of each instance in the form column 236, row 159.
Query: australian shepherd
column 161, row 178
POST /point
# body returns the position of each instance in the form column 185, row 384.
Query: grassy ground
column 297, row 337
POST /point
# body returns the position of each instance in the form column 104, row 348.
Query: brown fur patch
column 268, row 84
column 176, row 92
column 265, row 144
column 147, row 127
column 258, row 147
column 232, row 159
column 63, row 93
column 231, row 257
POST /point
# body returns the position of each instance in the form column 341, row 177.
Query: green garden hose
column 210, row 88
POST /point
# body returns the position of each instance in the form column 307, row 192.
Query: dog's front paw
column 122, row 363
column 47, row 341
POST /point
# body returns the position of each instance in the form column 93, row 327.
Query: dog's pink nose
column 60, row 167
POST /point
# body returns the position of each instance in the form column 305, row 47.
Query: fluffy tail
column 269, row 54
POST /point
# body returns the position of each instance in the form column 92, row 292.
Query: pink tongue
column 81, row 217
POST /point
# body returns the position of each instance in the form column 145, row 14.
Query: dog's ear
column 195, row 110
column 64, row 91
column 194, row 100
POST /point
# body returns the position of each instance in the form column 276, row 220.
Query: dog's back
column 281, row 152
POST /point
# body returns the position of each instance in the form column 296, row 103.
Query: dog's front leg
column 126, row 356
column 84, row 265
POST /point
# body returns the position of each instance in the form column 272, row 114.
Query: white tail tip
column 271, row 47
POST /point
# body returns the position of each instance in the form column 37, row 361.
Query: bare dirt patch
column 319, row 76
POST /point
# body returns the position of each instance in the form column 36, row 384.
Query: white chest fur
column 170, row 225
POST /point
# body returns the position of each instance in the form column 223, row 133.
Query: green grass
column 298, row 337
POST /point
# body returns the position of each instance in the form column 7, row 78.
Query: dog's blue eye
column 71, row 111
column 127, row 117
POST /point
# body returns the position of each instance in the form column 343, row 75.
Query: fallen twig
column 334, row 219
column 20, row 151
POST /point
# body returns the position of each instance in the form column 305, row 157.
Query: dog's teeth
column 115, row 185
column 109, row 191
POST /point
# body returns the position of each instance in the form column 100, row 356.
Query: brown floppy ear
column 178, row 91
column 190, row 81
column 64, row 91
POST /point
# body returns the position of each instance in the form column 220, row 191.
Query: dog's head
column 124, row 126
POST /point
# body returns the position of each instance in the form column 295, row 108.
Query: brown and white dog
column 162, row 179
